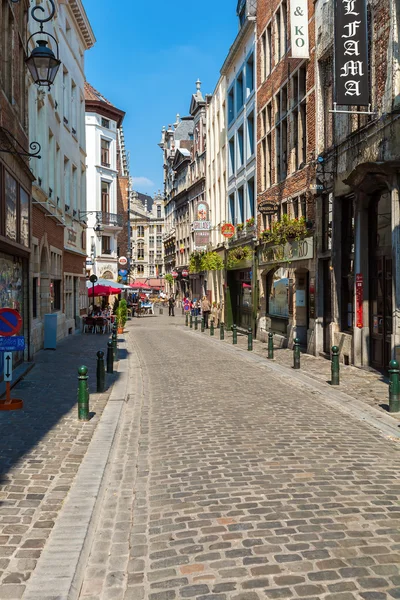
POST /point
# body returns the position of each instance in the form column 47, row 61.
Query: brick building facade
column 286, row 120
column 15, row 175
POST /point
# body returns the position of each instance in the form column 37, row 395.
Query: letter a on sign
column 299, row 28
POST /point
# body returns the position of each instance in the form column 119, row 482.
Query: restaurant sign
column 291, row 251
column 268, row 208
column 351, row 53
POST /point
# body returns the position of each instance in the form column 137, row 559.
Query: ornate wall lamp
column 43, row 66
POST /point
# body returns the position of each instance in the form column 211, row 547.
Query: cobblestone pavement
column 41, row 448
column 366, row 385
column 227, row 482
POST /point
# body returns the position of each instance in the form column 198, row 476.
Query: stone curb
column 342, row 401
column 60, row 569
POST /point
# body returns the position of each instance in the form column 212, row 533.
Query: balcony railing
column 106, row 218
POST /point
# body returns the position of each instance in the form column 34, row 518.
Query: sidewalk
column 41, row 449
column 368, row 386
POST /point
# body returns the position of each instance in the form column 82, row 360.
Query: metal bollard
column 202, row 325
column 83, row 394
column 212, row 328
column 335, row 380
column 196, row 323
column 394, row 387
column 110, row 357
column 249, row 339
column 221, row 332
column 270, row 345
column 296, row 353
column 191, row 321
column 100, row 372
column 115, row 344
column 234, row 336
column 187, row 320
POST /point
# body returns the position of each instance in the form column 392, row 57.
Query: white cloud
column 142, row 182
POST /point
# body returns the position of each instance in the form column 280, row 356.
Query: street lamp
column 42, row 63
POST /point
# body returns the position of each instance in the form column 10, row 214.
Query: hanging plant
column 168, row 278
column 195, row 262
column 240, row 227
column 284, row 230
column 238, row 255
column 211, row 261
column 250, row 223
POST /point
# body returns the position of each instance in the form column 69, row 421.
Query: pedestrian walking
column 171, row 306
column 205, row 309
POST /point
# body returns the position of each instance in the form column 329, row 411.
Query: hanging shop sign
column 185, row 273
column 123, row 260
column 268, row 208
column 311, row 296
column 174, row 274
column 201, row 225
column 299, row 29
column 359, row 300
column 228, row 230
column 291, row 251
column 351, row 53
column 201, row 239
column 202, row 217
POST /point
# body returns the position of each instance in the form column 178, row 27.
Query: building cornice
column 234, row 49
column 82, row 21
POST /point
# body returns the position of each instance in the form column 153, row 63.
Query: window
column 295, row 206
column 140, row 231
column 250, row 75
column 24, row 217
column 231, row 156
column 159, row 212
column 240, row 140
column 250, row 135
column 151, row 256
column 284, row 42
column 269, row 161
column 67, row 184
column 151, row 271
column 231, row 208
column 11, row 197
column 299, row 118
column 278, row 36
column 55, row 294
column 151, row 241
column 74, row 189
column 105, row 197
column 106, row 244
column 105, row 152
column 231, row 105
column 66, row 102
column 239, row 91
column 159, row 228
column 250, row 198
column 326, row 217
column 140, row 251
column 278, row 153
column 303, row 206
column 140, row 269
column 241, row 205
column 268, row 55
column 105, row 123
column 74, row 108
column 326, row 79
column 159, row 241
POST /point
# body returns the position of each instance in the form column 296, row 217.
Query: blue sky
column 146, row 60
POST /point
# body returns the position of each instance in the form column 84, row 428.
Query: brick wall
column 297, row 181
column 42, row 224
column 73, row 263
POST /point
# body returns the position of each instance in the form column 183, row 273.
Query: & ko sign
column 299, row 28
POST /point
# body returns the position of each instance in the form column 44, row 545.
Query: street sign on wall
column 12, row 344
column 228, row 230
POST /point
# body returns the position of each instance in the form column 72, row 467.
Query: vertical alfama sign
column 351, row 53
column 299, row 28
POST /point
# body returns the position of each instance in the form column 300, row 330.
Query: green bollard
column 296, row 353
column 234, row 336
column 83, row 394
column 110, row 357
column 394, row 387
column 100, row 372
column 212, row 328
column 271, row 345
column 115, row 344
column 335, row 380
column 196, row 323
column 221, row 332
column 202, row 325
column 249, row 339
column 191, row 321
column 187, row 320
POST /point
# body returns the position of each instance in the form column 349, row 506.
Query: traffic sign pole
column 10, row 325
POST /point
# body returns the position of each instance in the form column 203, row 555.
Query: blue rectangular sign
column 12, row 344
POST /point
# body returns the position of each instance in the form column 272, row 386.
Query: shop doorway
column 381, row 295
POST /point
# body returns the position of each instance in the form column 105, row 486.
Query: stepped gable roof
column 96, row 102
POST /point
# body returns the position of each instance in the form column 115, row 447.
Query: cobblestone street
column 228, row 482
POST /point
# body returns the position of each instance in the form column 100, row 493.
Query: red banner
column 359, row 300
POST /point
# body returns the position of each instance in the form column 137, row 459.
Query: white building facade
column 147, row 231
column 102, row 121
column 57, row 122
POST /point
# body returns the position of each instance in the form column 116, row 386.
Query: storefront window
column 11, row 207
column 55, row 294
column 347, row 292
column 278, row 305
column 24, row 216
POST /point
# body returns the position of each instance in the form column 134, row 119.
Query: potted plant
column 122, row 316
column 250, row 223
column 239, row 227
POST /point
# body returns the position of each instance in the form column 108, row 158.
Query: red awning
column 140, row 286
column 102, row 290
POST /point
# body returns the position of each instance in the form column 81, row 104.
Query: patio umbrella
column 102, row 290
